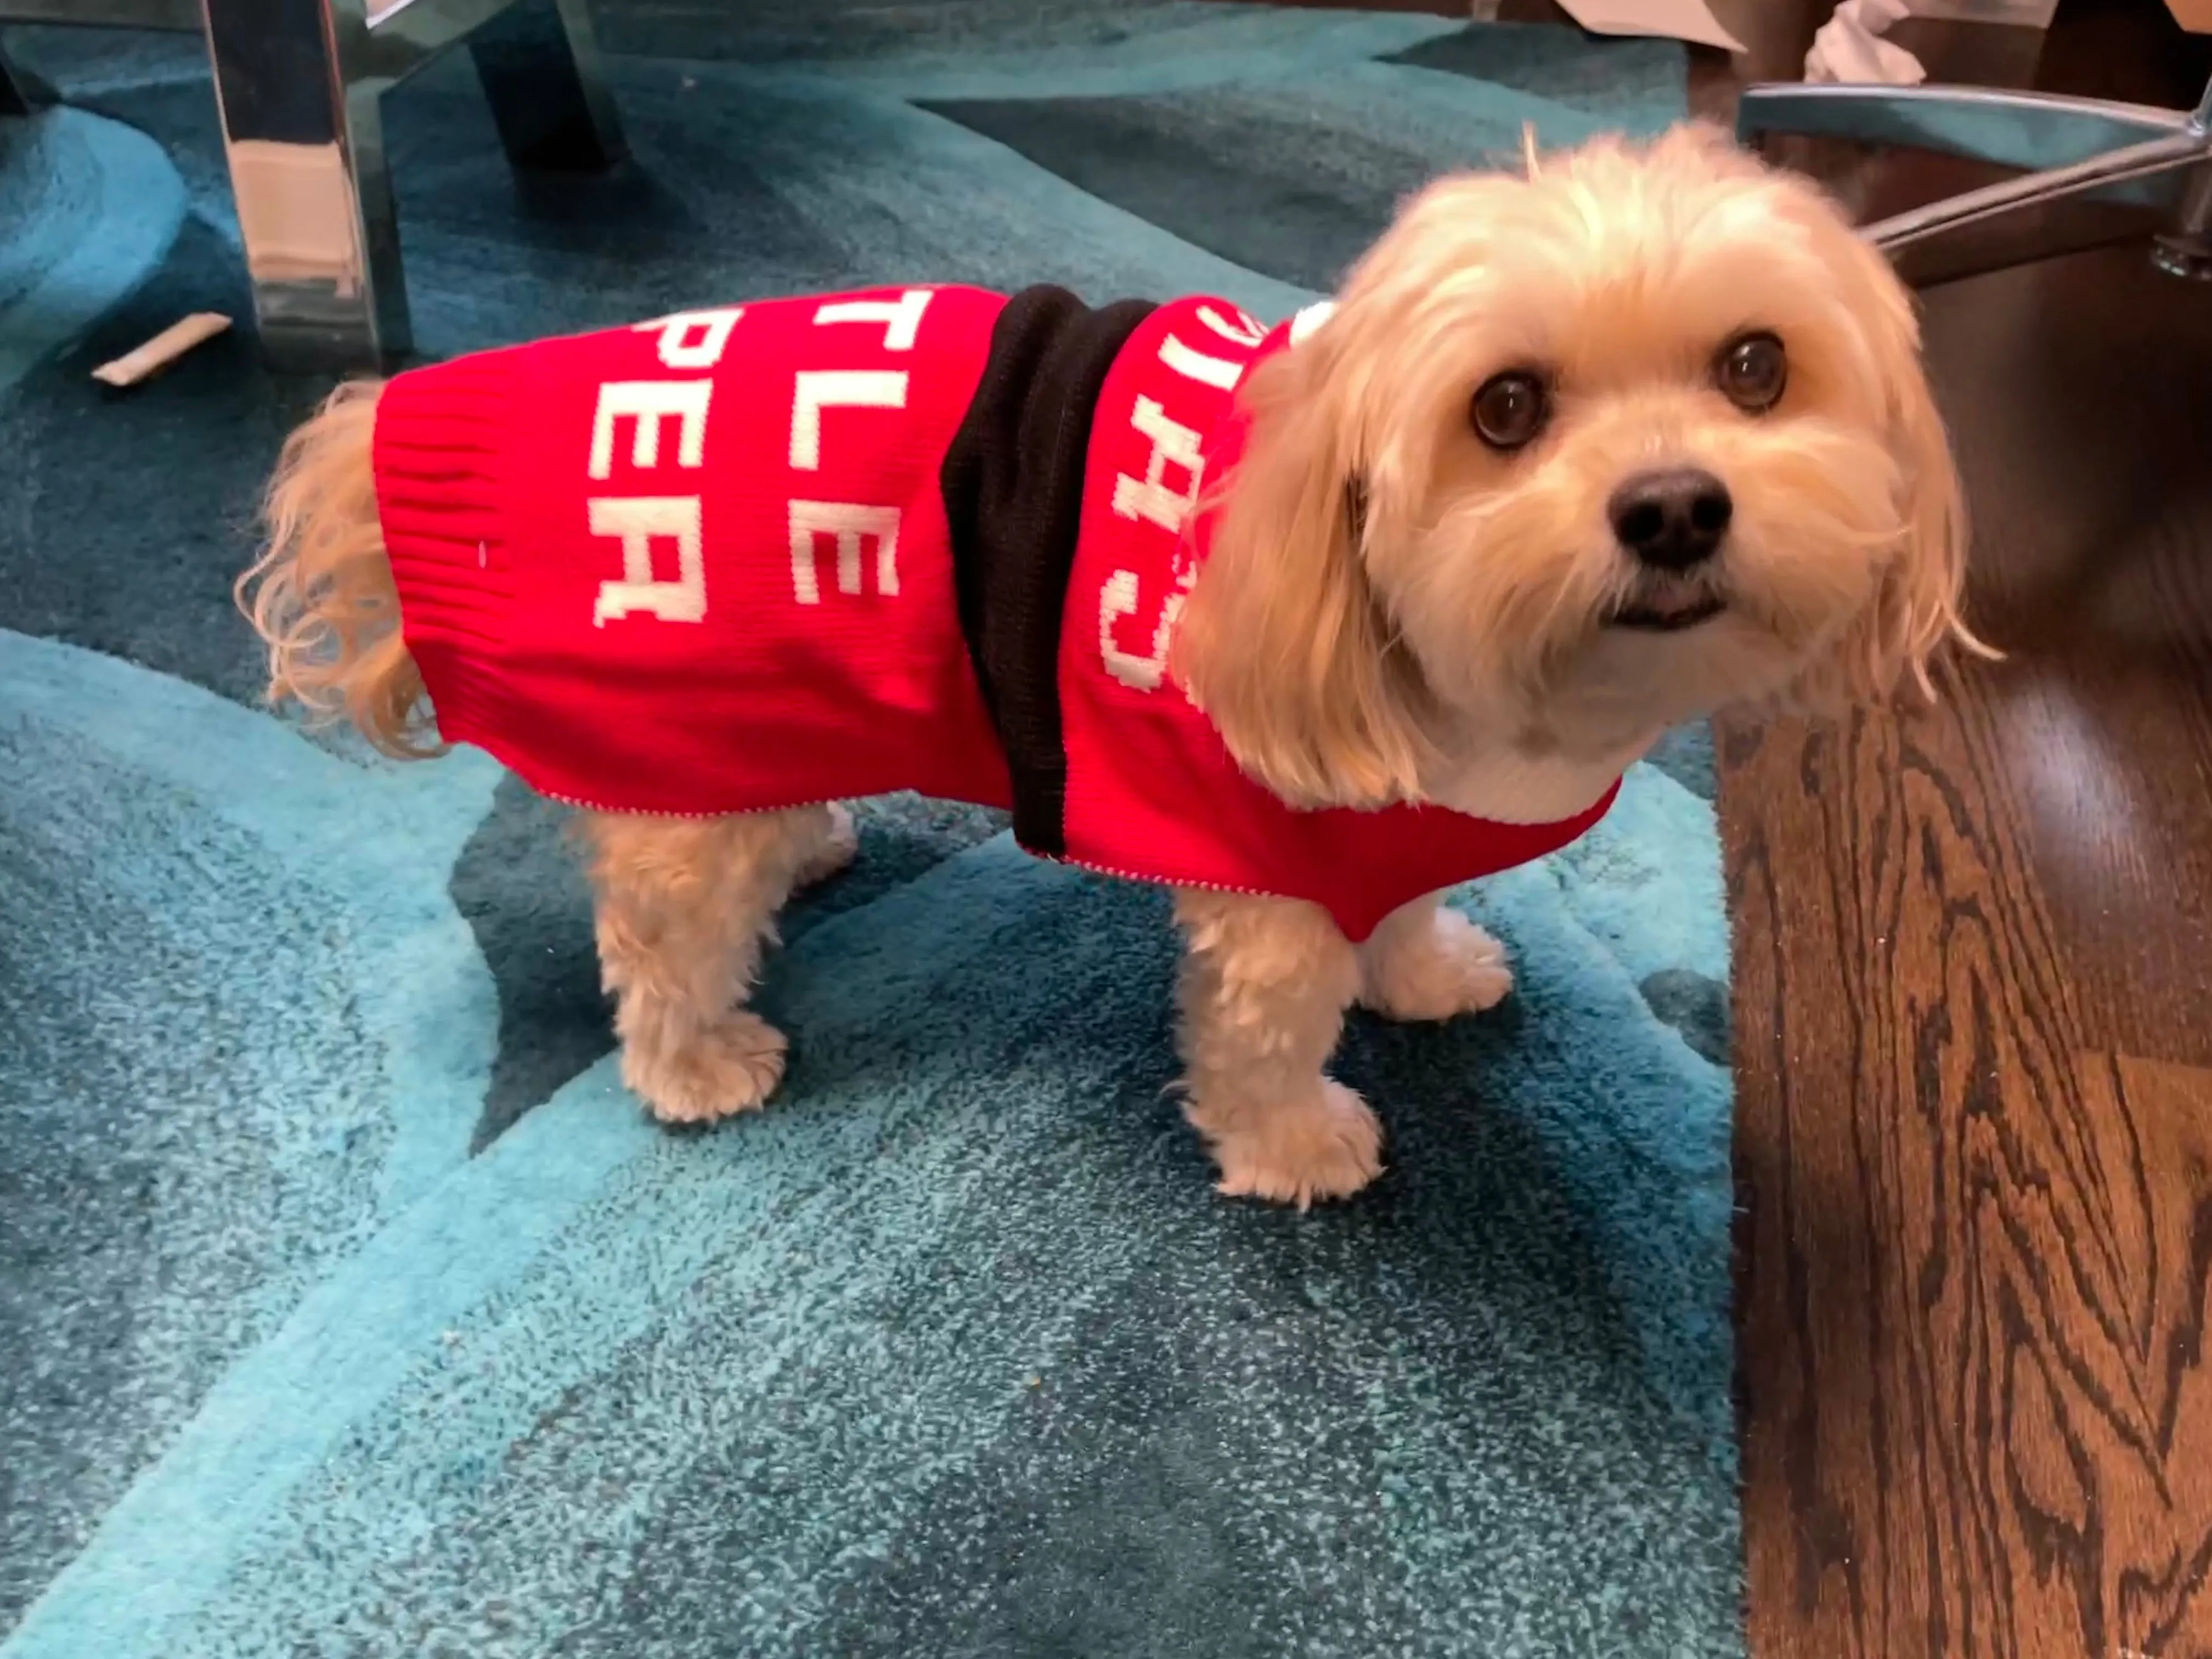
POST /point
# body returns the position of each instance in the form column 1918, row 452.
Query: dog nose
column 1671, row 520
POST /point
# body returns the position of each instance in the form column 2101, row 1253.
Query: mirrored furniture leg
column 300, row 85
column 14, row 100
column 2072, row 147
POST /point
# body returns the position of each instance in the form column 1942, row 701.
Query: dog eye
column 1752, row 372
column 1510, row 409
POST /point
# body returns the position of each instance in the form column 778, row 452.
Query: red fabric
column 768, row 666
column 484, row 485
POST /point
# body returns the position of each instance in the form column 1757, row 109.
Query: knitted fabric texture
column 919, row 538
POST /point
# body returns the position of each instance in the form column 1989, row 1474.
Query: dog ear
column 1918, row 606
column 1283, row 644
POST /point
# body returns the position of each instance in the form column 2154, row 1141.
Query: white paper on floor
column 1849, row 48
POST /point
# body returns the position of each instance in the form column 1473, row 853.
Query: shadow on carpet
column 351, row 1306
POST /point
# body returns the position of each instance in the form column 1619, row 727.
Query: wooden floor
column 1974, row 1041
column 1974, row 1004
column 1974, row 967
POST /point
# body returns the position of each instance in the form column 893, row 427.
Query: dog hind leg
column 685, row 907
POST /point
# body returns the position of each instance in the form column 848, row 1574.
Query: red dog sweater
column 928, row 539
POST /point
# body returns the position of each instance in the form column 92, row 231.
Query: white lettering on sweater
column 1164, row 497
column 1173, row 445
column 694, row 339
column 1118, row 599
column 688, row 340
column 649, row 403
column 638, row 521
column 1244, row 331
column 900, row 317
column 815, row 390
column 1213, row 371
column 848, row 523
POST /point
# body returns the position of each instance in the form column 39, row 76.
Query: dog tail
column 321, row 596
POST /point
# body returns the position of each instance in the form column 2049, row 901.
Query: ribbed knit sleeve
column 441, row 492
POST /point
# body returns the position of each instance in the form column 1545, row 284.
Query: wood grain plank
column 1975, row 1254
column 1974, row 1042
column 2156, row 1483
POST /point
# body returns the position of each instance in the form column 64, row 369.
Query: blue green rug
column 347, row 1305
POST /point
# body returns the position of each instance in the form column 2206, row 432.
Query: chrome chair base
column 539, row 68
column 2075, row 147
column 300, row 85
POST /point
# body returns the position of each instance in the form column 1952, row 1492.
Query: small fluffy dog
column 1307, row 623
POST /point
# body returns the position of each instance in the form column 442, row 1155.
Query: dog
column 1306, row 622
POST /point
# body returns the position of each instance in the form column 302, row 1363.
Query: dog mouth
column 1658, row 613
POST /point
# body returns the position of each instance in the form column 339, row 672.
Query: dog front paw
column 1327, row 1146
column 732, row 1067
column 1450, row 967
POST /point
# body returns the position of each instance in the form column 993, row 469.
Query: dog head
column 1578, row 454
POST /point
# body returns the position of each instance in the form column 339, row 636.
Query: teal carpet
column 348, row 1306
